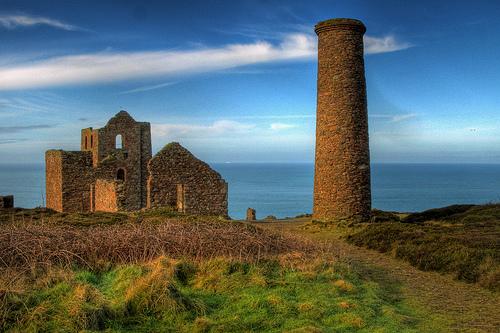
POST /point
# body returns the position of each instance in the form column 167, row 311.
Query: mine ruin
column 115, row 171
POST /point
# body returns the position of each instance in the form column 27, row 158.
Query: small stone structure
column 342, row 165
column 251, row 216
column 179, row 179
column 6, row 201
column 114, row 171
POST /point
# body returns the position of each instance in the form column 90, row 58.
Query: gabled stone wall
column 71, row 176
column 180, row 180
column 132, row 156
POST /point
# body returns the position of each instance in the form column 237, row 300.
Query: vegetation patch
column 216, row 295
column 39, row 244
column 164, row 272
column 463, row 240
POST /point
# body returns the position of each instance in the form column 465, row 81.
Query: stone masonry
column 342, row 165
column 118, row 152
column 110, row 173
column 6, row 201
column 178, row 179
column 68, row 177
column 121, row 149
column 251, row 216
column 109, row 196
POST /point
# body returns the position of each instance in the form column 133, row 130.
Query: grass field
column 458, row 305
column 156, row 271
column 160, row 271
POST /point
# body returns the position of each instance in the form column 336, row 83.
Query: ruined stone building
column 115, row 171
column 342, row 164
column 177, row 178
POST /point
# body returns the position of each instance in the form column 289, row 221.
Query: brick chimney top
column 340, row 24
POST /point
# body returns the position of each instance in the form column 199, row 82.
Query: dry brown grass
column 35, row 245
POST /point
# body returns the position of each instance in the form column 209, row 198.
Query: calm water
column 286, row 189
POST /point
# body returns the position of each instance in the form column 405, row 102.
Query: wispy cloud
column 9, row 141
column 279, row 116
column 17, row 21
column 374, row 45
column 398, row 118
column 107, row 66
column 37, row 102
column 394, row 118
column 147, row 88
column 16, row 129
column 217, row 128
column 281, row 126
column 115, row 66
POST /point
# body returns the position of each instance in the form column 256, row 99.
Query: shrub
column 461, row 240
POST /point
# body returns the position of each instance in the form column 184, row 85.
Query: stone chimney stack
column 342, row 167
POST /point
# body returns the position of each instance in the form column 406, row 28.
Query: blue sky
column 235, row 81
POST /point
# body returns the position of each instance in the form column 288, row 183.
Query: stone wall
column 132, row 157
column 6, row 201
column 108, row 196
column 146, row 154
column 53, row 180
column 342, row 165
column 251, row 216
column 68, row 178
column 180, row 180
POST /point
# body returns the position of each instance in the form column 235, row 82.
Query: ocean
column 286, row 189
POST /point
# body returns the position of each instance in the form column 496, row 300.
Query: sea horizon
column 285, row 189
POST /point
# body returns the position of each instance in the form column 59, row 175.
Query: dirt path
column 466, row 307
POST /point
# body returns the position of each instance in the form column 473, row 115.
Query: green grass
column 462, row 240
column 217, row 295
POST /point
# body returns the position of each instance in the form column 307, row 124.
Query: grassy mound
column 463, row 240
column 216, row 295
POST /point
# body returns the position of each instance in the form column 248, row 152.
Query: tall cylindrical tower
column 342, row 167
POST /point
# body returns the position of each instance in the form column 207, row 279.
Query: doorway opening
column 120, row 175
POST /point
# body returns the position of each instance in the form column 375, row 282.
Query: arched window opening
column 120, row 174
column 91, row 141
column 85, row 142
column 119, row 142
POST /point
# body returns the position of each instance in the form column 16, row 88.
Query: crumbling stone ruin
column 177, row 178
column 251, row 216
column 114, row 171
column 342, row 165
column 6, row 201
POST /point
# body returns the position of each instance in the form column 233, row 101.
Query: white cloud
column 374, row 45
column 394, row 118
column 107, row 66
column 147, row 88
column 16, row 21
column 279, row 116
column 216, row 129
column 115, row 66
column 281, row 126
column 402, row 117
